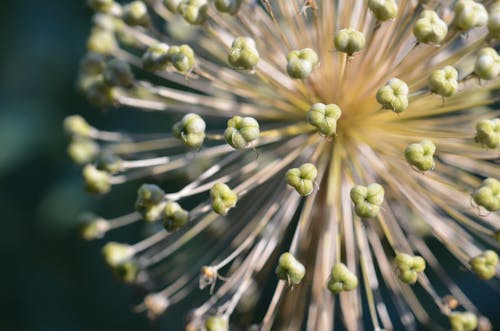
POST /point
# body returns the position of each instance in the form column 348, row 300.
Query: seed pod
column 191, row 130
column 487, row 65
column 193, row 11
column 290, row 269
column 488, row 132
column 341, row 279
column 223, row 198
column 488, row 194
column 118, row 73
column 216, row 323
column 302, row 178
column 96, row 181
column 394, row 95
column 181, row 57
column 155, row 58
column 383, row 10
column 444, row 81
column 150, row 202
column 93, row 227
column 420, row 155
column 301, row 63
column 349, row 41
column 241, row 131
column 324, row 118
column 429, row 28
column 484, row 264
column 82, row 150
column 174, row 216
column 243, row 53
column 469, row 14
column 228, row 6
column 116, row 253
column 409, row 267
column 367, row 199
column 102, row 41
column 172, row 5
column 463, row 321
column 136, row 13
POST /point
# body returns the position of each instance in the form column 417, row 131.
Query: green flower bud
column 469, row 14
column 118, row 73
column 101, row 94
column 241, row 131
column 102, row 41
column 383, row 10
column 349, row 41
column 155, row 58
column 116, row 253
column 193, row 11
column 75, row 125
column 223, row 198
column 444, row 81
column 109, row 162
column 324, row 118
column 228, row 6
column 341, row 279
column 149, row 202
column 302, row 178
column 172, row 5
column 429, row 28
column 96, row 181
column 93, row 63
column 394, row 95
column 463, row 321
column 494, row 21
column 488, row 194
column 181, row 57
column 93, row 227
column 409, row 267
column 174, row 216
column 487, row 65
column 126, row 272
column 101, row 5
column 136, row 13
column 420, row 155
column 484, row 265
column 243, row 53
column 301, row 63
column 290, row 269
column 217, row 323
column 191, row 130
column 82, row 150
column 367, row 199
column 488, row 132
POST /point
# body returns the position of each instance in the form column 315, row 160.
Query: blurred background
column 50, row 279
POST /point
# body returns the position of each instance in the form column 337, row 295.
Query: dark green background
column 50, row 280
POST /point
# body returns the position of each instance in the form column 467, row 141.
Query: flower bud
column 349, row 41
column 324, row 118
column 93, row 63
column 118, row 73
column 149, row 202
column 383, row 10
column 193, row 11
column 302, row 178
column 155, row 58
column 488, row 132
column 228, row 6
column 96, row 181
column 102, row 41
column 429, row 28
column 341, row 279
column 241, row 131
column 93, row 227
column 420, row 155
column 82, row 150
column 463, row 321
column 290, row 269
column 469, row 14
column 126, row 272
column 301, row 63
column 109, row 162
column 223, row 198
column 172, row 5
column 101, row 94
column 181, row 57
column 101, row 5
column 174, row 216
column 394, row 95
column 116, row 253
column 367, row 199
column 444, row 81
column 217, row 323
column 75, row 125
column 136, row 13
column 487, row 65
column 243, row 53
column 494, row 21
column 488, row 194
column 484, row 264
column 409, row 267
column 191, row 130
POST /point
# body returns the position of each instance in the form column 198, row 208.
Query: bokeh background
column 49, row 279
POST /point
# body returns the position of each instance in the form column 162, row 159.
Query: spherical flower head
column 324, row 118
column 463, row 321
column 190, row 130
column 367, row 199
column 96, row 181
column 156, row 58
column 118, row 73
column 228, row 6
column 116, row 253
column 494, row 21
column 174, row 216
column 194, row 11
column 341, row 279
column 488, row 132
column 420, row 155
column 241, row 131
column 349, row 41
column 487, row 64
column 383, row 10
column 290, row 269
column 488, row 194
column 149, row 202
column 429, row 28
column 181, row 57
column 394, row 95
column 223, row 198
column 243, row 53
column 302, row 178
column 93, row 226
column 409, row 267
column 172, row 5
column 444, row 81
column 484, row 264
column 469, row 14
column 217, row 323
column 301, row 63
column 135, row 13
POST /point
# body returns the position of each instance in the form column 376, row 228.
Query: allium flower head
column 323, row 143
